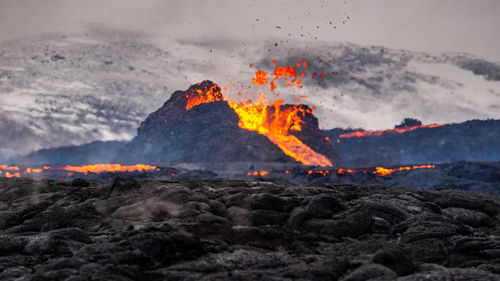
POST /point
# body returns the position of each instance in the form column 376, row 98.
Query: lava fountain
column 272, row 120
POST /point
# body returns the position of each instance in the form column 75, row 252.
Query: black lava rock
column 79, row 182
column 396, row 260
column 159, row 230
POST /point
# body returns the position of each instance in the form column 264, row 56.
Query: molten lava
column 276, row 123
column 387, row 171
column 379, row 171
column 9, row 175
column 15, row 171
column 318, row 173
column 282, row 72
column 360, row 134
column 342, row 171
column 199, row 96
column 260, row 78
column 258, row 173
column 9, row 168
column 99, row 168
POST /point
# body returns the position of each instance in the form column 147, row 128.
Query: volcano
column 199, row 126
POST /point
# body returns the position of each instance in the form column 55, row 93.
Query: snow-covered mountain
column 62, row 89
column 98, row 84
column 373, row 87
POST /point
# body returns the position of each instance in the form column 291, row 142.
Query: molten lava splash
column 199, row 96
column 360, row 134
column 282, row 72
column 260, row 78
column 276, row 126
column 99, row 168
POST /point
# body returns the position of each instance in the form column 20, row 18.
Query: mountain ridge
column 473, row 140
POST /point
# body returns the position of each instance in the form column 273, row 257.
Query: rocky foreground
column 235, row 230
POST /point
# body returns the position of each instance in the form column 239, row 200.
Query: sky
column 424, row 25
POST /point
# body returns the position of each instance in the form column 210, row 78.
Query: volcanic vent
column 198, row 125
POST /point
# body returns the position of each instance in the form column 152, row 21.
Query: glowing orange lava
column 99, row 168
column 9, row 175
column 342, row 171
column 260, row 78
column 15, row 171
column 9, row 168
column 276, row 123
column 258, row 173
column 199, row 96
column 381, row 171
column 316, row 172
column 360, row 134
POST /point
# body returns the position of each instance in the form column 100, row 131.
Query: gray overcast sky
column 423, row 25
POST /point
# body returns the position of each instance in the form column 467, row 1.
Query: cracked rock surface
column 236, row 230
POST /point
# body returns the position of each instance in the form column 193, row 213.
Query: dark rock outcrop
column 474, row 140
column 89, row 153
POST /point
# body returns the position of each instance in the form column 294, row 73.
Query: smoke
column 15, row 137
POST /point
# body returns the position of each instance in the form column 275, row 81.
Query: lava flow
column 387, row 171
column 379, row 171
column 99, row 168
column 360, row 134
column 17, row 172
column 258, row 173
column 276, row 126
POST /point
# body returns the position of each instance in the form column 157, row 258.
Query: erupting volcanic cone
column 197, row 125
